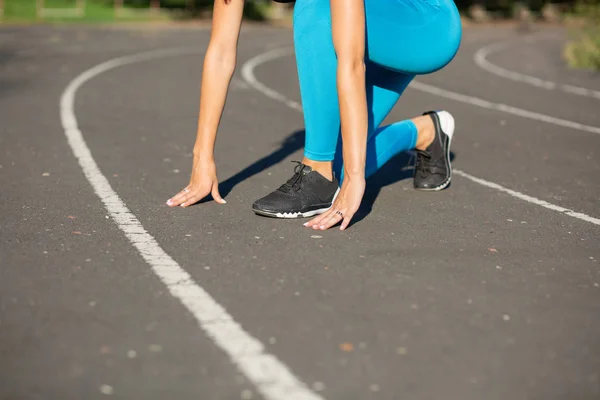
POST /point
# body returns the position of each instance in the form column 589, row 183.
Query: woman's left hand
column 344, row 207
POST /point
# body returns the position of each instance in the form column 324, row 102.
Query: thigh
column 412, row 36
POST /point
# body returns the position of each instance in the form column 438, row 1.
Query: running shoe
column 433, row 170
column 305, row 194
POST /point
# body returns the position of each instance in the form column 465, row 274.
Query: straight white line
column 248, row 75
column 271, row 377
column 529, row 199
column 481, row 60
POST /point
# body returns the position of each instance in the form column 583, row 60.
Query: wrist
column 203, row 157
column 354, row 173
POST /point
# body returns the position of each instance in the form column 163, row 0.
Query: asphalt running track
column 488, row 290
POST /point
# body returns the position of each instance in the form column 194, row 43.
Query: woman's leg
column 317, row 65
column 309, row 189
column 312, row 188
column 418, row 37
column 317, row 69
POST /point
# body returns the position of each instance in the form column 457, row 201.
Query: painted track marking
column 475, row 101
column 248, row 75
column 270, row 376
column 481, row 60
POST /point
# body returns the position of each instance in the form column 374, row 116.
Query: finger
column 187, row 201
column 176, row 200
column 315, row 220
column 332, row 220
column 216, row 195
column 191, row 199
column 346, row 222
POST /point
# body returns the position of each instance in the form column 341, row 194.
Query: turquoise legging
column 404, row 38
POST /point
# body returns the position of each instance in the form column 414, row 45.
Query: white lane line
column 529, row 199
column 271, row 377
column 475, row 101
column 248, row 75
column 481, row 60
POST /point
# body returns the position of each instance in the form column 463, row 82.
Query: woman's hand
column 202, row 183
column 345, row 206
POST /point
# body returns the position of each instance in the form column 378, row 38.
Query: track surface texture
column 470, row 293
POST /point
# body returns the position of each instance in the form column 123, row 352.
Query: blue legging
column 404, row 38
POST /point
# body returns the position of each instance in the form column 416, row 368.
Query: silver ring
column 340, row 213
column 186, row 190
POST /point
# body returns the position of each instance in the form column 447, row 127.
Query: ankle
column 322, row 167
column 425, row 131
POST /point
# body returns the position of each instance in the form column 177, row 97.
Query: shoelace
column 294, row 182
column 426, row 165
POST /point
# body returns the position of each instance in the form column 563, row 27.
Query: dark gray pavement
column 465, row 294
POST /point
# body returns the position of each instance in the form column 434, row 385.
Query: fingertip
column 345, row 224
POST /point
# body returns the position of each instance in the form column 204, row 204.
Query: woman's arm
column 348, row 25
column 219, row 64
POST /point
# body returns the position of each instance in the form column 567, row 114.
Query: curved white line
column 271, row 377
column 248, row 75
column 481, row 60
column 475, row 101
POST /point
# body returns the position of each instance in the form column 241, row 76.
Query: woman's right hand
column 202, row 183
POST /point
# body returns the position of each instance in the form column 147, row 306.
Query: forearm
column 216, row 76
column 219, row 64
column 348, row 29
column 353, row 113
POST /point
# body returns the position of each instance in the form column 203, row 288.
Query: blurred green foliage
column 103, row 10
column 583, row 51
column 26, row 10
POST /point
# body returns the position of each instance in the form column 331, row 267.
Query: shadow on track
column 397, row 169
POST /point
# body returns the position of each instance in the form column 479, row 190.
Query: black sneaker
column 306, row 194
column 433, row 170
